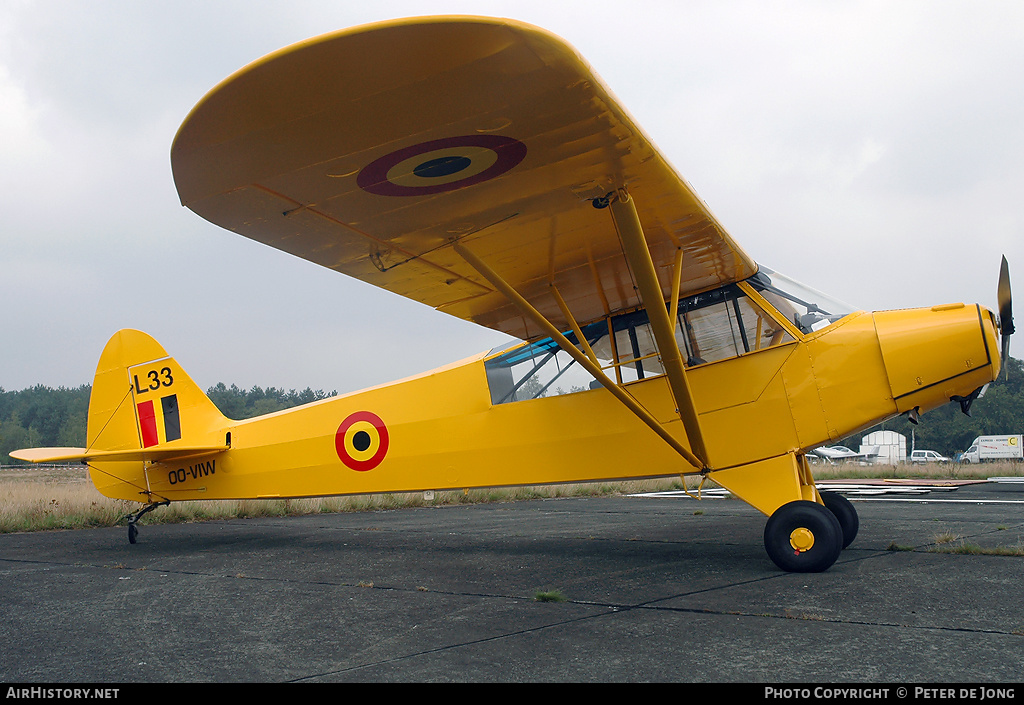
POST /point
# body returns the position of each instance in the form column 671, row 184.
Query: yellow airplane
column 479, row 166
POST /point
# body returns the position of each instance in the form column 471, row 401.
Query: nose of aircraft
column 934, row 354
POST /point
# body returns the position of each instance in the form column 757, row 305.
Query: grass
column 946, row 537
column 949, row 542
column 893, row 546
column 41, row 498
column 549, row 596
column 917, row 471
column 971, row 549
column 45, row 498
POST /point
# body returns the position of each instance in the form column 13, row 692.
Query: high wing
column 373, row 150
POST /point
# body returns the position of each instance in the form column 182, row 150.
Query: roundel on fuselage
column 362, row 441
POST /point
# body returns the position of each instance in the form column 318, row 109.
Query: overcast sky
column 872, row 150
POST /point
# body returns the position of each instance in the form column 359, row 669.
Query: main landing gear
column 807, row 537
column 845, row 513
column 133, row 519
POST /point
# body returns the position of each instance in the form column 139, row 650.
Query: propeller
column 1005, row 310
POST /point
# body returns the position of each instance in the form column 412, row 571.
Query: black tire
column 807, row 523
column 132, row 533
column 845, row 512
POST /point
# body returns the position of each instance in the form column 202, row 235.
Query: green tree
column 236, row 403
column 949, row 431
column 41, row 416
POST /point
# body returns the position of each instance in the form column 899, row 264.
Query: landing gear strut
column 133, row 519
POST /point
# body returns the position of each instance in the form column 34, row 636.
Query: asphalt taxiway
column 655, row 588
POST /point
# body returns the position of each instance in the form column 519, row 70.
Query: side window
column 762, row 330
column 714, row 325
column 540, row 369
column 637, row 351
column 724, row 323
column 632, row 353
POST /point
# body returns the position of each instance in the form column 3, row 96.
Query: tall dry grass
column 41, row 498
column 917, row 471
column 34, row 499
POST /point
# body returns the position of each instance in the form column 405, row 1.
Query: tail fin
column 143, row 408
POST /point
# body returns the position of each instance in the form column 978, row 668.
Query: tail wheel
column 845, row 513
column 803, row 537
column 133, row 519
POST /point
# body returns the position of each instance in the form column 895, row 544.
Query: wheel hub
column 801, row 540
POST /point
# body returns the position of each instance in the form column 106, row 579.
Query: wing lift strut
column 638, row 255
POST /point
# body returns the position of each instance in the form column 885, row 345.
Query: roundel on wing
column 441, row 165
column 362, row 441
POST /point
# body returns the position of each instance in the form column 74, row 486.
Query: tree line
column 949, row 431
column 41, row 416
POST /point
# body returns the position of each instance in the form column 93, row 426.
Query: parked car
column 927, row 456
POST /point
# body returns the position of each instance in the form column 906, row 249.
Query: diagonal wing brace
column 588, row 363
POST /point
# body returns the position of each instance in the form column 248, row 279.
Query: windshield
column 809, row 310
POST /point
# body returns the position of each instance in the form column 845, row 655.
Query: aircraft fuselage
column 444, row 429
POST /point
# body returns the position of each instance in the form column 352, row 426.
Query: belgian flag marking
column 153, row 417
column 362, row 441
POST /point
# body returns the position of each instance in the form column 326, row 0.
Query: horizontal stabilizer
column 155, row 454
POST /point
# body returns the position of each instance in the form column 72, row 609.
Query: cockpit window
column 713, row 325
column 535, row 370
column 710, row 326
column 807, row 309
column 724, row 323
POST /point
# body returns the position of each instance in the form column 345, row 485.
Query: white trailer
column 986, row 448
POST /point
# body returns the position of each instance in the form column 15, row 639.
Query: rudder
column 142, row 400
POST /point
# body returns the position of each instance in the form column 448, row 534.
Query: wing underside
column 372, row 151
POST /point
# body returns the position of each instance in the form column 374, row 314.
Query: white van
column 927, row 456
column 994, row 448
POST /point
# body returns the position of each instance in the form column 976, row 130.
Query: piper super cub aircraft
column 479, row 166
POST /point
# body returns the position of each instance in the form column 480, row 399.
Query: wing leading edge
column 373, row 150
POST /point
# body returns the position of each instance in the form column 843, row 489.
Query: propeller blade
column 1005, row 300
